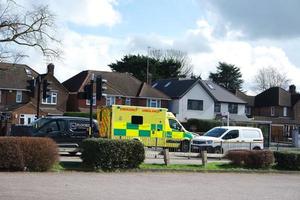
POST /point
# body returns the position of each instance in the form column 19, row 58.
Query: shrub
column 27, row 153
column 287, row 160
column 199, row 125
column 79, row 114
column 251, row 159
column 109, row 154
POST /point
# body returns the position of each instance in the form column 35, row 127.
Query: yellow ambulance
column 154, row 127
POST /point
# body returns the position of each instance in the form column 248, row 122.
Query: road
column 146, row 186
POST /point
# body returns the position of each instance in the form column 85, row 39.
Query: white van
column 224, row 138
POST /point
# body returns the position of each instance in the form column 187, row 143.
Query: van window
column 62, row 125
column 174, row 125
column 136, row 119
column 216, row 132
column 251, row 134
column 231, row 135
column 50, row 127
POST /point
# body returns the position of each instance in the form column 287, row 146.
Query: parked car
column 67, row 132
column 224, row 138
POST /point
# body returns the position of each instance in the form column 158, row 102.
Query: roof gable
column 274, row 96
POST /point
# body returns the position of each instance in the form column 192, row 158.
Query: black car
column 67, row 132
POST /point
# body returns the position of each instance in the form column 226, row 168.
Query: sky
column 249, row 34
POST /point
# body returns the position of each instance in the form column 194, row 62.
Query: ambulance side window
column 136, row 119
column 174, row 125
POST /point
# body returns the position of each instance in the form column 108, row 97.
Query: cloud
column 259, row 19
column 87, row 12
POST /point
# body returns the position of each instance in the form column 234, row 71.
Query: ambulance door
column 157, row 132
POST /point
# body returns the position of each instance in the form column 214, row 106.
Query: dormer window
column 19, row 96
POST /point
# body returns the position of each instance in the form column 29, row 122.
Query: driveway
column 144, row 186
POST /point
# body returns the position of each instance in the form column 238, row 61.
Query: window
column 231, row 135
column 248, row 110
column 215, row 132
column 272, row 111
column 233, row 108
column 22, row 119
column 155, row 103
column 174, row 125
column 128, row 101
column 195, row 104
column 50, row 127
column 51, row 99
column 136, row 119
column 19, row 97
column 110, row 100
column 87, row 101
column 217, row 107
column 284, row 111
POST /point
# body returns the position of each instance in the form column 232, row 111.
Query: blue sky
column 250, row 34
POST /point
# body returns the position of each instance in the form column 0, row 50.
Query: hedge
column 251, row 158
column 107, row 154
column 27, row 153
column 199, row 125
column 80, row 114
column 287, row 160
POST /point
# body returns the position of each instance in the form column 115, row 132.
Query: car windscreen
column 39, row 123
column 216, row 132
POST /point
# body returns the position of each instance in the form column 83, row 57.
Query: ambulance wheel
column 185, row 146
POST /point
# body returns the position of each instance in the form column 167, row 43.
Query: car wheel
column 256, row 148
column 218, row 150
column 185, row 146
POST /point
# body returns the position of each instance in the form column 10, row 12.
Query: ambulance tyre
column 185, row 146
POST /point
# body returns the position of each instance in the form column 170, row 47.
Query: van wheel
column 185, row 146
column 256, row 148
column 218, row 150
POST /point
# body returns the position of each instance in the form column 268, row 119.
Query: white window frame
column 272, row 111
column 285, row 111
column 87, row 101
column 155, row 102
column 110, row 100
column 128, row 101
column 51, row 95
column 19, row 96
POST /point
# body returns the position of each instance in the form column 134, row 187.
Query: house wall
column 197, row 93
column 8, row 97
column 296, row 111
column 266, row 111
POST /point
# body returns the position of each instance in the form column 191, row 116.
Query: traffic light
column 45, row 89
column 31, row 87
column 99, row 87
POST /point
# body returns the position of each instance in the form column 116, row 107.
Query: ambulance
column 154, row 127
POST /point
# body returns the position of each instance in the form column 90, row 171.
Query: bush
column 80, row 114
column 198, row 125
column 109, row 154
column 27, row 153
column 287, row 160
column 251, row 159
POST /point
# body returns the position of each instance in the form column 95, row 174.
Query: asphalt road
column 164, row 186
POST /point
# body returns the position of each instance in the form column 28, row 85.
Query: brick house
column 17, row 106
column 122, row 89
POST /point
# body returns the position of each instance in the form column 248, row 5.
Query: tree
column 26, row 28
column 228, row 76
column 160, row 66
column 268, row 77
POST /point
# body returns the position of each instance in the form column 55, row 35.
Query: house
column 282, row 108
column 122, row 89
column 201, row 99
column 17, row 105
column 248, row 99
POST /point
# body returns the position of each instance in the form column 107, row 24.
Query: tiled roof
column 120, row 84
column 15, row 76
column 274, row 96
column 176, row 88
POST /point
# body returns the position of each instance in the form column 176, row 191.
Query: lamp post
column 91, row 104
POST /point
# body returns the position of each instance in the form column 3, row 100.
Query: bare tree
column 268, row 77
column 22, row 28
column 178, row 56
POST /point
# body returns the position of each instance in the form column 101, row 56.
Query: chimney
column 292, row 89
column 50, row 69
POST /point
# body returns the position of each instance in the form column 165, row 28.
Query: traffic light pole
column 38, row 97
column 91, row 107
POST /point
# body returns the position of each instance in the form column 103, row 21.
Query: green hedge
column 199, row 125
column 251, row 158
column 110, row 154
column 287, row 160
column 27, row 153
column 79, row 114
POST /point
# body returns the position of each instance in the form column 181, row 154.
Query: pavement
column 147, row 186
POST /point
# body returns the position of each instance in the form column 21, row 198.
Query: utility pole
column 148, row 49
column 91, row 104
column 38, row 82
